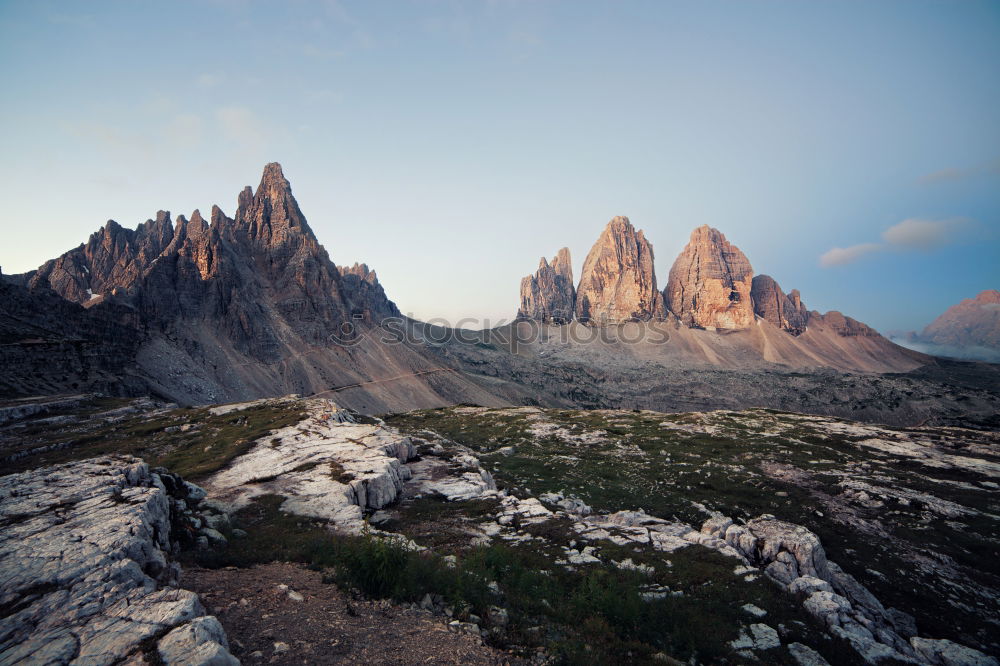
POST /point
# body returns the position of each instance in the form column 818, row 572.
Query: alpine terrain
column 218, row 446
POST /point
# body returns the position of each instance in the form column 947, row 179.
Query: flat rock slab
column 83, row 568
column 326, row 466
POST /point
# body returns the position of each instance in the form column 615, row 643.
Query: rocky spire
column 770, row 303
column 618, row 282
column 271, row 216
column 710, row 283
column 548, row 295
column 365, row 295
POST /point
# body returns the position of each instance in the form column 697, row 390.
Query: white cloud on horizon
column 910, row 234
column 920, row 234
column 839, row 256
column 953, row 174
column 969, row 353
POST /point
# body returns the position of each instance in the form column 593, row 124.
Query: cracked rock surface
column 84, row 574
column 326, row 466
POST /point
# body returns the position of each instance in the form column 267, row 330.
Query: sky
column 850, row 149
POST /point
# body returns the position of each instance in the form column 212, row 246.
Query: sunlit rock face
column 710, row 283
column 549, row 295
column 618, row 283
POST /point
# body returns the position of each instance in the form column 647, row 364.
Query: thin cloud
column 242, row 126
column 916, row 234
column 208, row 81
column 909, row 235
column 952, row 174
column 75, row 20
column 185, row 131
column 840, row 256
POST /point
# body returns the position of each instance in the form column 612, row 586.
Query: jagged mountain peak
column 267, row 247
column 706, row 230
column 271, row 216
column 273, row 175
column 619, row 221
column 359, row 269
column 563, row 264
column 548, row 295
column 365, row 296
column 218, row 217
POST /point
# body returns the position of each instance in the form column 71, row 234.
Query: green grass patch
column 191, row 442
column 584, row 615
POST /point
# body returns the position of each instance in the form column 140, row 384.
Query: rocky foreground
column 555, row 535
column 86, row 572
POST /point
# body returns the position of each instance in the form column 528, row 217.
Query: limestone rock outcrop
column 710, row 283
column 85, row 574
column 790, row 313
column 793, row 556
column 549, row 295
column 618, row 281
column 327, row 466
column 771, row 303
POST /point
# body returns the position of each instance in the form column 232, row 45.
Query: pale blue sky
column 450, row 144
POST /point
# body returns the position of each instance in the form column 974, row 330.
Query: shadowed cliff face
column 771, row 304
column 366, row 296
column 618, row 283
column 49, row 345
column 548, row 295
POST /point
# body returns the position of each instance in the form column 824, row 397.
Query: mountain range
column 711, row 286
column 242, row 307
column 231, row 308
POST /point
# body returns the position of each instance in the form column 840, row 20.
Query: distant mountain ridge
column 974, row 321
column 969, row 329
column 227, row 309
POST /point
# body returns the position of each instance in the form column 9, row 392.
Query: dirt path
column 419, row 373
column 266, row 625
